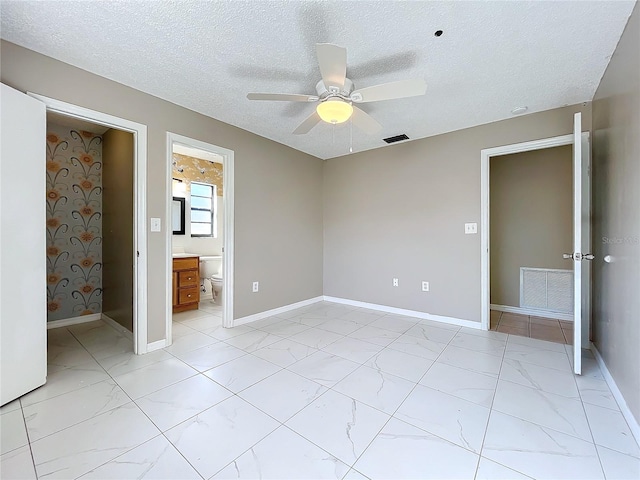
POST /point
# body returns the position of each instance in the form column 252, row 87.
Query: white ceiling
column 78, row 124
column 197, row 153
column 207, row 55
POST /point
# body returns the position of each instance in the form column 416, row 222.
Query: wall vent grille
column 546, row 289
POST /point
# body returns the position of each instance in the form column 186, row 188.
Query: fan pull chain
column 351, row 135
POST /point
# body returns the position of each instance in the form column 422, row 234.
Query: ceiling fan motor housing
column 344, row 93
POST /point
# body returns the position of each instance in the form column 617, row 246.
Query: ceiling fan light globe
column 334, row 111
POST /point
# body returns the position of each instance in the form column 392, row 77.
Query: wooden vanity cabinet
column 186, row 283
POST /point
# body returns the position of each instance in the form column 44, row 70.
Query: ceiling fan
column 336, row 93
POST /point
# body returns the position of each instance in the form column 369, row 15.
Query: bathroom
column 197, row 226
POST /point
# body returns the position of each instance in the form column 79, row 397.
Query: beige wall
column 117, row 226
column 531, row 216
column 278, row 190
column 400, row 212
column 616, row 200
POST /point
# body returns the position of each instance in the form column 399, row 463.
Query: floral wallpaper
column 74, row 224
column 197, row 170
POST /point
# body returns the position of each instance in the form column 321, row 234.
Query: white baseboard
column 116, row 326
column 65, row 322
column 567, row 317
column 156, row 345
column 409, row 313
column 275, row 311
column 617, row 394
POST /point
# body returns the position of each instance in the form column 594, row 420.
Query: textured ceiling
column 206, row 56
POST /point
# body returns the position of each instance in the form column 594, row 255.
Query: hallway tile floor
column 325, row 391
column 549, row 329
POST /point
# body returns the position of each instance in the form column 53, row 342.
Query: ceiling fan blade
column 283, row 97
column 308, row 123
column 390, row 91
column 365, row 122
column 332, row 60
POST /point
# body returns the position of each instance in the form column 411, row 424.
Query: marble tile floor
column 549, row 329
column 325, row 391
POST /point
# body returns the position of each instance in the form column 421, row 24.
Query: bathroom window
column 203, row 210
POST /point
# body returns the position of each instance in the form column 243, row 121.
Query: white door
column 23, row 308
column 581, row 242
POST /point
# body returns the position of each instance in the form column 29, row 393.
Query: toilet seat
column 216, row 277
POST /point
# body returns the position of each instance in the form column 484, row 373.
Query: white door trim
column 485, row 156
column 227, row 235
column 139, row 132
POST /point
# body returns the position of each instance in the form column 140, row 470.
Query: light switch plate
column 155, row 224
column 470, row 228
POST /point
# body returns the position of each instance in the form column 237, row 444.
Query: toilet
column 211, row 269
column 216, row 287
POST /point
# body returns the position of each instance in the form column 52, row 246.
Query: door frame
column 485, row 273
column 139, row 131
column 228, row 225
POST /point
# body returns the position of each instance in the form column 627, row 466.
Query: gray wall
column 616, row 200
column 400, row 212
column 531, row 216
column 117, row 226
column 278, row 190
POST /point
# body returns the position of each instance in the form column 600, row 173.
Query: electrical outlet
column 256, row 286
column 395, row 282
column 425, row 286
column 470, row 228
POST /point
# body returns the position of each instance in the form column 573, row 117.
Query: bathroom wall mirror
column 177, row 215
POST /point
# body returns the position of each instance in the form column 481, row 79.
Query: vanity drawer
column 189, row 278
column 186, row 283
column 188, row 263
column 189, row 295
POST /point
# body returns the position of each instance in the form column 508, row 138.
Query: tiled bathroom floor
column 326, row 391
column 548, row 329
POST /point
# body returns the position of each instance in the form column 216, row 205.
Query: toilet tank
column 209, row 265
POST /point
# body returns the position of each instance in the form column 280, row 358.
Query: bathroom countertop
column 203, row 256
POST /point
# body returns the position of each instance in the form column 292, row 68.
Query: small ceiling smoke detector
column 519, row 110
column 397, row 138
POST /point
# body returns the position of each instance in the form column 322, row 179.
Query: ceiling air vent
column 397, row 138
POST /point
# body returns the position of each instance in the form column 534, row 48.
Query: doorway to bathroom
column 199, row 218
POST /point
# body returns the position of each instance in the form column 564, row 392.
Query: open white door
column 23, row 308
column 577, row 243
column 581, row 242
